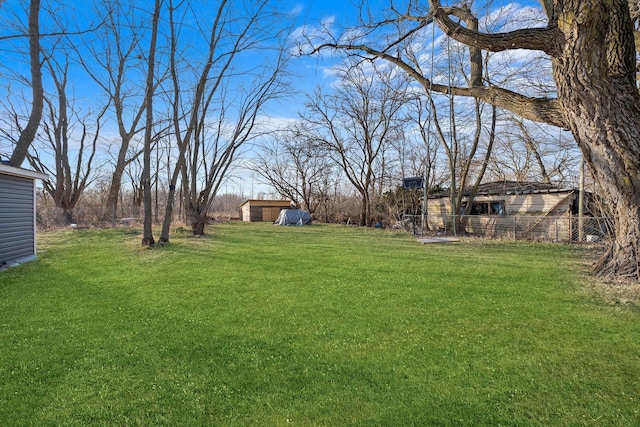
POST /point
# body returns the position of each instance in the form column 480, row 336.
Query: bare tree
column 216, row 145
column 147, row 232
column 463, row 128
column 425, row 157
column 294, row 166
column 65, row 131
column 219, row 87
column 592, row 50
column 42, row 41
column 113, row 58
column 529, row 151
column 28, row 132
column 133, row 172
column 356, row 124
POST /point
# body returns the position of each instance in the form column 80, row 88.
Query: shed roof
column 255, row 202
column 518, row 187
column 512, row 188
column 6, row 169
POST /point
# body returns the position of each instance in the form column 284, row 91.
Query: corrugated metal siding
column 17, row 233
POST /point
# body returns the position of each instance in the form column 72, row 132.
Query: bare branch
column 53, row 34
column 544, row 110
column 540, row 39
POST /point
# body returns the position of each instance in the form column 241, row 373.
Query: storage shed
column 510, row 208
column 505, row 198
column 17, row 214
column 263, row 210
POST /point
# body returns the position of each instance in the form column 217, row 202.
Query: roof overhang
column 256, row 202
column 22, row 173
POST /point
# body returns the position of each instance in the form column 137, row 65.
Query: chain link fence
column 567, row 229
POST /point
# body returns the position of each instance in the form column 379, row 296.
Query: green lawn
column 324, row 325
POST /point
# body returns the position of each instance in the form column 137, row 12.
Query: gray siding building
column 17, row 214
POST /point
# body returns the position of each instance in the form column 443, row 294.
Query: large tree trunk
column 622, row 259
column 595, row 76
column 67, row 214
column 197, row 217
column 198, row 225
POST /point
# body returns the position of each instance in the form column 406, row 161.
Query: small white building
column 17, row 214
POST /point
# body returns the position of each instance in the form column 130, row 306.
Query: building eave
column 22, row 173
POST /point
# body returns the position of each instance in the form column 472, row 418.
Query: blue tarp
column 293, row 217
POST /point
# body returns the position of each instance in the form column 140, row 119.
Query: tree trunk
column 595, row 76
column 622, row 258
column 29, row 132
column 147, row 232
column 111, row 203
column 198, row 225
column 364, row 210
column 197, row 217
column 67, row 215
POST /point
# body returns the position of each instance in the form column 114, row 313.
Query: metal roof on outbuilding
column 511, row 188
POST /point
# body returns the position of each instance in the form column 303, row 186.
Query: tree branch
column 52, row 34
column 540, row 39
column 544, row 110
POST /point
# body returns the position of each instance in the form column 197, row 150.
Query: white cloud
column 297, row 10
column 306, row 37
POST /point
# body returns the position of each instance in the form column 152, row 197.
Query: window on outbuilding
column 489, row 208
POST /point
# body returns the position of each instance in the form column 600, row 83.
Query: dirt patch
column 611, row 292
column 618, row 292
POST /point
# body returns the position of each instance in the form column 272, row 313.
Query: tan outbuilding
column 263, row 210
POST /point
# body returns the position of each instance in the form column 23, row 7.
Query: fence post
column 570, row 228
column 557, row 231
column 515, row 237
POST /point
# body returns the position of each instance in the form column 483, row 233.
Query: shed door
column 256, row 214
column 17, row 230
column 270, row 213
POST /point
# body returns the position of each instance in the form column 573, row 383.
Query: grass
column 323, row 325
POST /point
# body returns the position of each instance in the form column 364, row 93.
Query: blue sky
column 309, row 14
column 77, row 17
column 338, row 15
